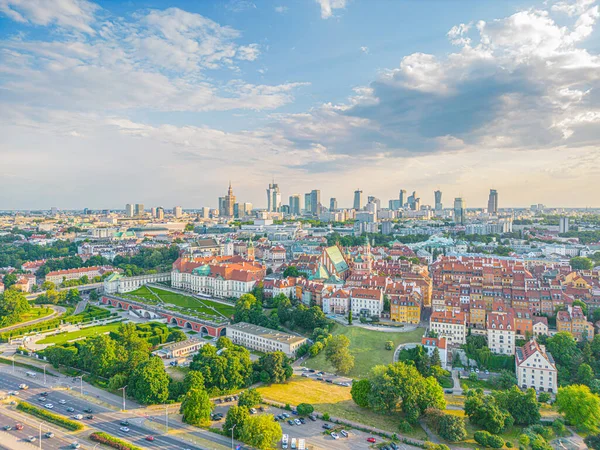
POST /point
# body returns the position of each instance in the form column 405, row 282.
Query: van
column 284, row 441
column 23, row 386
column 293, row 446
column 301, row 444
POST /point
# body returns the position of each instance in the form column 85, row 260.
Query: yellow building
column 405, row 310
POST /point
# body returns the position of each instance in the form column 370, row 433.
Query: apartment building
column 263, row 339
column 450, row 325
column 501, row 333
column 574, row 321
column 535, row 367
column 58, row 276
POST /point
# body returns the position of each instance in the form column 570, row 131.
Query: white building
column 441, row 344
column 450, row 325
column 263, row 339
column 501, row 333
column 117, row 283
column 536, row 368
column 366, row 302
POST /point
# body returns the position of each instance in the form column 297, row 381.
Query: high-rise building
column 307, row 203
column 333, row 206
column 402, row 197
column 413, row 201
column 371, row 199
column 438, row 200
column 273, row 198
column 221, row 206
column 54, row 210
column 160, row 213
column 177, row 212
column 139, row 209
column 459, row 211
column 358, row 201
column 228, row 204
column 372, row 208
column 394, row 204
column 493, row 202
column 129, row 210
column 295, row 209
column 153, row 211
column 563, row 225
column 315, row 201
column 247, row 208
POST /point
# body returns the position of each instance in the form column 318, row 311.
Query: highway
column 104, row 419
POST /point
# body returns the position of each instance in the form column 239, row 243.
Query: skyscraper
column 177, row 211
column 315, row 201
column 333, row 206
column 129, row 210
column 139, row 209
column 307, row 203
column 438, row 200
column 402, row 197
column 459, row 211
column 295, row 205
column 273, row 198
column 358, row 200
column 371, row 199
column 228, row 203
column 493, row 202
column 563, row 225
column 413, row 201
column 160, row 213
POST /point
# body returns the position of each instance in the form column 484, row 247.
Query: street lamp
column 13, row 359
column 232, row 428
column 167, row 418
column 123, row 389
column 80, row 383
column 45, row 374
column 40, row 435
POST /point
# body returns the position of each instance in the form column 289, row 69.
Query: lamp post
column 232, row 428
column 45, row 374
column 123, row 389
column 40, row 436
column 80, row 383
column 13, row 359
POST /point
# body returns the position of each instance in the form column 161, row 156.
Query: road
column 58, row 311
column 107, row 420
column 80, row 307
column 82, row 288
column 31, row 428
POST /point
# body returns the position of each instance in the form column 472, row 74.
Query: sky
column 164, row 102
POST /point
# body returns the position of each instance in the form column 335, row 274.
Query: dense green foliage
column 196, row 406
column 305, row 409
column 522, row 406
column 360, row 392
column 111, row 441
column 485, row 412
column 580, row 407
column 261, row 431
column 49, row 416
column 249, row 398
column 338, row 354
column 449, row 427
column 13, row 304
column 488, row 440
column 274, row 367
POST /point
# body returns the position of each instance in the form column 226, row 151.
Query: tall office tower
column 413, row 201
column 236, row 210
column 153, row 211
column 371, row 199
column 493, row 202
column 315, row 201
column 54, row 210
column 228, row 202
column 177, row 212
column 221, row 206
column 129, row 210
column 307, row 203
column 285, row 209
column 358, row 200
column 139, row 209
column 247, row 208
column 394, row 204
column 459, row 211
column 438, row 200
column 273, row 198
column 295, row 205
column 333, row 204
column 205, row 211
column 402, row 197
column 372, row 208
column 563, row 225
column 160, row 213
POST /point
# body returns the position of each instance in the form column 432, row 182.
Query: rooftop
column 266, row 333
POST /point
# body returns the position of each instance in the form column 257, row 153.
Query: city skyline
column 106, row 102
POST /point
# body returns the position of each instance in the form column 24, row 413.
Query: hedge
column 49, row 417
column 111, row 441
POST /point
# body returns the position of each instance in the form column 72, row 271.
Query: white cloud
column 327, row 7
column 365, row 50
column 281, row 9
column 75, row 15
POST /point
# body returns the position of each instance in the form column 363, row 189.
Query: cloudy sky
column 163, row 102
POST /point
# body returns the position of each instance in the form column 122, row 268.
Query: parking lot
column 323, row 376
column 313, row 432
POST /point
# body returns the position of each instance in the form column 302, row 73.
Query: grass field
column 36, row 313
column 86, row 332
column 367, row 347
column 333, row 400
column 185, row 301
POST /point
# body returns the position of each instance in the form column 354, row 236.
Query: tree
column 94, row 295
column 236, row 416
column 291, row 271
column 452, row 428
column 338, row 354
column 196, row 407
column 305, row 409
column 350, row 317
column 13, row 304
column 360, row 392
column 189, row 227
column 522, row 406
column 544, row 397
column 229, row 370
column 193, row 380
column 505, row 380
column 581, row 263
column 10, row 279
column 249, row 398
column 176, row 335
column 389, row 345
column 585, row 374
column 276, row 365
column 261, row 431
column 435, row 358
column 593, row 441
column 484, row 411
column 98, row 355
column 117, row 381
column 149, row 383
column 563, row 347
column 579, row 406
column 582, row 305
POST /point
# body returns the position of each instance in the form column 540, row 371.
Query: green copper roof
column 202, row 270
column 337, row 259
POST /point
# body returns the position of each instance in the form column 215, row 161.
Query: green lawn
column 367, row 347
column 86, row 332
column 185, row 301
column 36, row 313
column 334, row 400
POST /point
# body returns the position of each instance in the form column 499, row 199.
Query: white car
column 13, row 393
column 124, row 429
column 344, row 433
column 297, row 422
column 62, row 402
column 335, row 435
column 49, row 405
column 77, row 417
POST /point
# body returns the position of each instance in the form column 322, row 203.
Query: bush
column 326, row 417
column 508, row 444
column 107, row 439
column 544, row 397
column 404, row 426
column 305, row 409
column 488, row 440
column 49, row 417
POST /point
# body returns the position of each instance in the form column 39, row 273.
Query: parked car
column 44, row 394
column 448, row 391
column 394, row 446
column 31, row 439
column 302, row 420
column 327, row 426
column 305, row 375
column 62, row 402
column 252, row 411
column 286, row 415
column 334, row 435
column 344, row 433
column 313, row 418
column 49, row 434
column 311, row 370
column 297, row 422
column 88, row 410
column 18, row 427
column 320, row 378
column 294, row 412
column 75, row 445
column 291, row 422
column 7, row 428
column 371, row 440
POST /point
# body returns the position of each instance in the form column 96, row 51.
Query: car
column 286, row 415
column 218, row 401
column 487, row 372
column 49, row 405
column 44, row 394
column 345, row 384
column 62, row 402
column 334, row 435
column 75, row 445
column 124, row 429
column 385, row 447
column 228, row 399
column 261, row 408
column 18, row 426
column 305, row 375
column 31, row 439
column 302, row 420
column 78, row 416
column 320, row 378
column 329, row 380
column 448, row 391
column 173, row 363
column 252, row 411
column 326, row 426
column 125, row 423
column 235, row 397
column 49, row 435
column 23, row 386
column 320, row 373
column 70, row 409
column 88, row 410
column 13, row 393
column 294, row 412
column 42, row 399
column 291, row 422
column 7, row 428
column 311, row 370
column 394, row 446
column 297, row 422
column 150, row 438
column 476, row 370
column 313, row 418
column 344, row 433
column 371, row 440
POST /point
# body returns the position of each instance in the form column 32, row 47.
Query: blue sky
column 162, row 102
